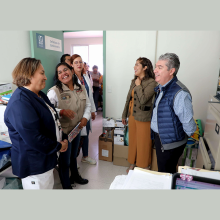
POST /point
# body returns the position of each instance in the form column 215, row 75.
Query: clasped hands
column 64, row 145
column 138, row 81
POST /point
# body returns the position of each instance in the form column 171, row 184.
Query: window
column 92, row 54
column 82, row 51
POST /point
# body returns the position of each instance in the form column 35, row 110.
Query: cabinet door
column 212, row 130
column 203, row 160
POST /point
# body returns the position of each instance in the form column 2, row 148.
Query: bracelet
column 61, row 112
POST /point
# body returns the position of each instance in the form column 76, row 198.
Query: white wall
column 123, row 48
column 15, row 45
column 199, row 53
column 80, row 41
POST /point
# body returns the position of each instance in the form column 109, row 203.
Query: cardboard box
column 120, row 131
column 118, row 123
column 121, row 155
column 106, row 147
column 118, row 139
column 107, row 122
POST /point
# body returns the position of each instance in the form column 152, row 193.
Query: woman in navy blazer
column 33, row 127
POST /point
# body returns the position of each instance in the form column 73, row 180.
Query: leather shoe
column 80, row 180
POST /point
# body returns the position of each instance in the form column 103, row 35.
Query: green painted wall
column 49, row 58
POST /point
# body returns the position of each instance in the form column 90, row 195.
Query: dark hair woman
column 138, row 108
column 71, row 100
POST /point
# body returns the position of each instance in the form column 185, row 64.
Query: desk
column 6, row 171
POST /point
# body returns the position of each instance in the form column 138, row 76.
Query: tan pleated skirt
column 140, row 143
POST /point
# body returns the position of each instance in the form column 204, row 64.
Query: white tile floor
column 102, row 174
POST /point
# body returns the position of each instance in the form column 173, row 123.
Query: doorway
column 91, row 46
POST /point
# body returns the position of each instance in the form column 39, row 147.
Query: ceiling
column 83, row 34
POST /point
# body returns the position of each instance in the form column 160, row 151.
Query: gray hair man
column 172, row 119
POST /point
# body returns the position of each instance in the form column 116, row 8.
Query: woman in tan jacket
column 138, row 108
column 71, row 101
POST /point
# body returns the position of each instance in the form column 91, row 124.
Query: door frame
column 104, row 67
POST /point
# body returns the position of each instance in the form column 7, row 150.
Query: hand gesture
column 93, row 116
column 68, row 113
column 83, row 123
column 138, row 81
column 124, row 122
column 64, row 146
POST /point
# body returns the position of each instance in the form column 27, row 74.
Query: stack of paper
column 142, row 179
column 199, row 172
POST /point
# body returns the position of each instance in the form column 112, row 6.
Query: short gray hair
column 172, row 61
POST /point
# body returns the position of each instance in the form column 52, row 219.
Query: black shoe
column 80, row 180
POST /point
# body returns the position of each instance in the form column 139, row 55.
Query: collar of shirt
column 160, row 86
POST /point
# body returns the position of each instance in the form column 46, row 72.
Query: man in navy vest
column 172, row 119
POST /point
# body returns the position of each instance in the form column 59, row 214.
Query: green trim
column 32, row 44
column 104, row 72
column 75, row 31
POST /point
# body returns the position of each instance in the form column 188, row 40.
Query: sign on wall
column 40, row 40
column 48, row 43
column 53, row 44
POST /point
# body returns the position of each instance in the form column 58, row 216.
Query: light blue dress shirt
column 183, row 109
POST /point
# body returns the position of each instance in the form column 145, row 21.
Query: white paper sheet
column 118, row 182
column 144, row 180
column 105, row 153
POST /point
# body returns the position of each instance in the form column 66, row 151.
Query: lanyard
column 56, row 120
column 56, row 117
column 82, row 81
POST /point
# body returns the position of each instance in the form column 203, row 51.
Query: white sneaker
column 88, row 160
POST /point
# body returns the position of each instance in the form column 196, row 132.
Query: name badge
column 65, row 97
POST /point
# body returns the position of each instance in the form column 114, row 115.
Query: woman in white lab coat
column 83, row 79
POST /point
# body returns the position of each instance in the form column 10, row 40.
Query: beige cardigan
column 143, row 100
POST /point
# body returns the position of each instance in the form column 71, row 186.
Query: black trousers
column 167, row 160
column 96, row 96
